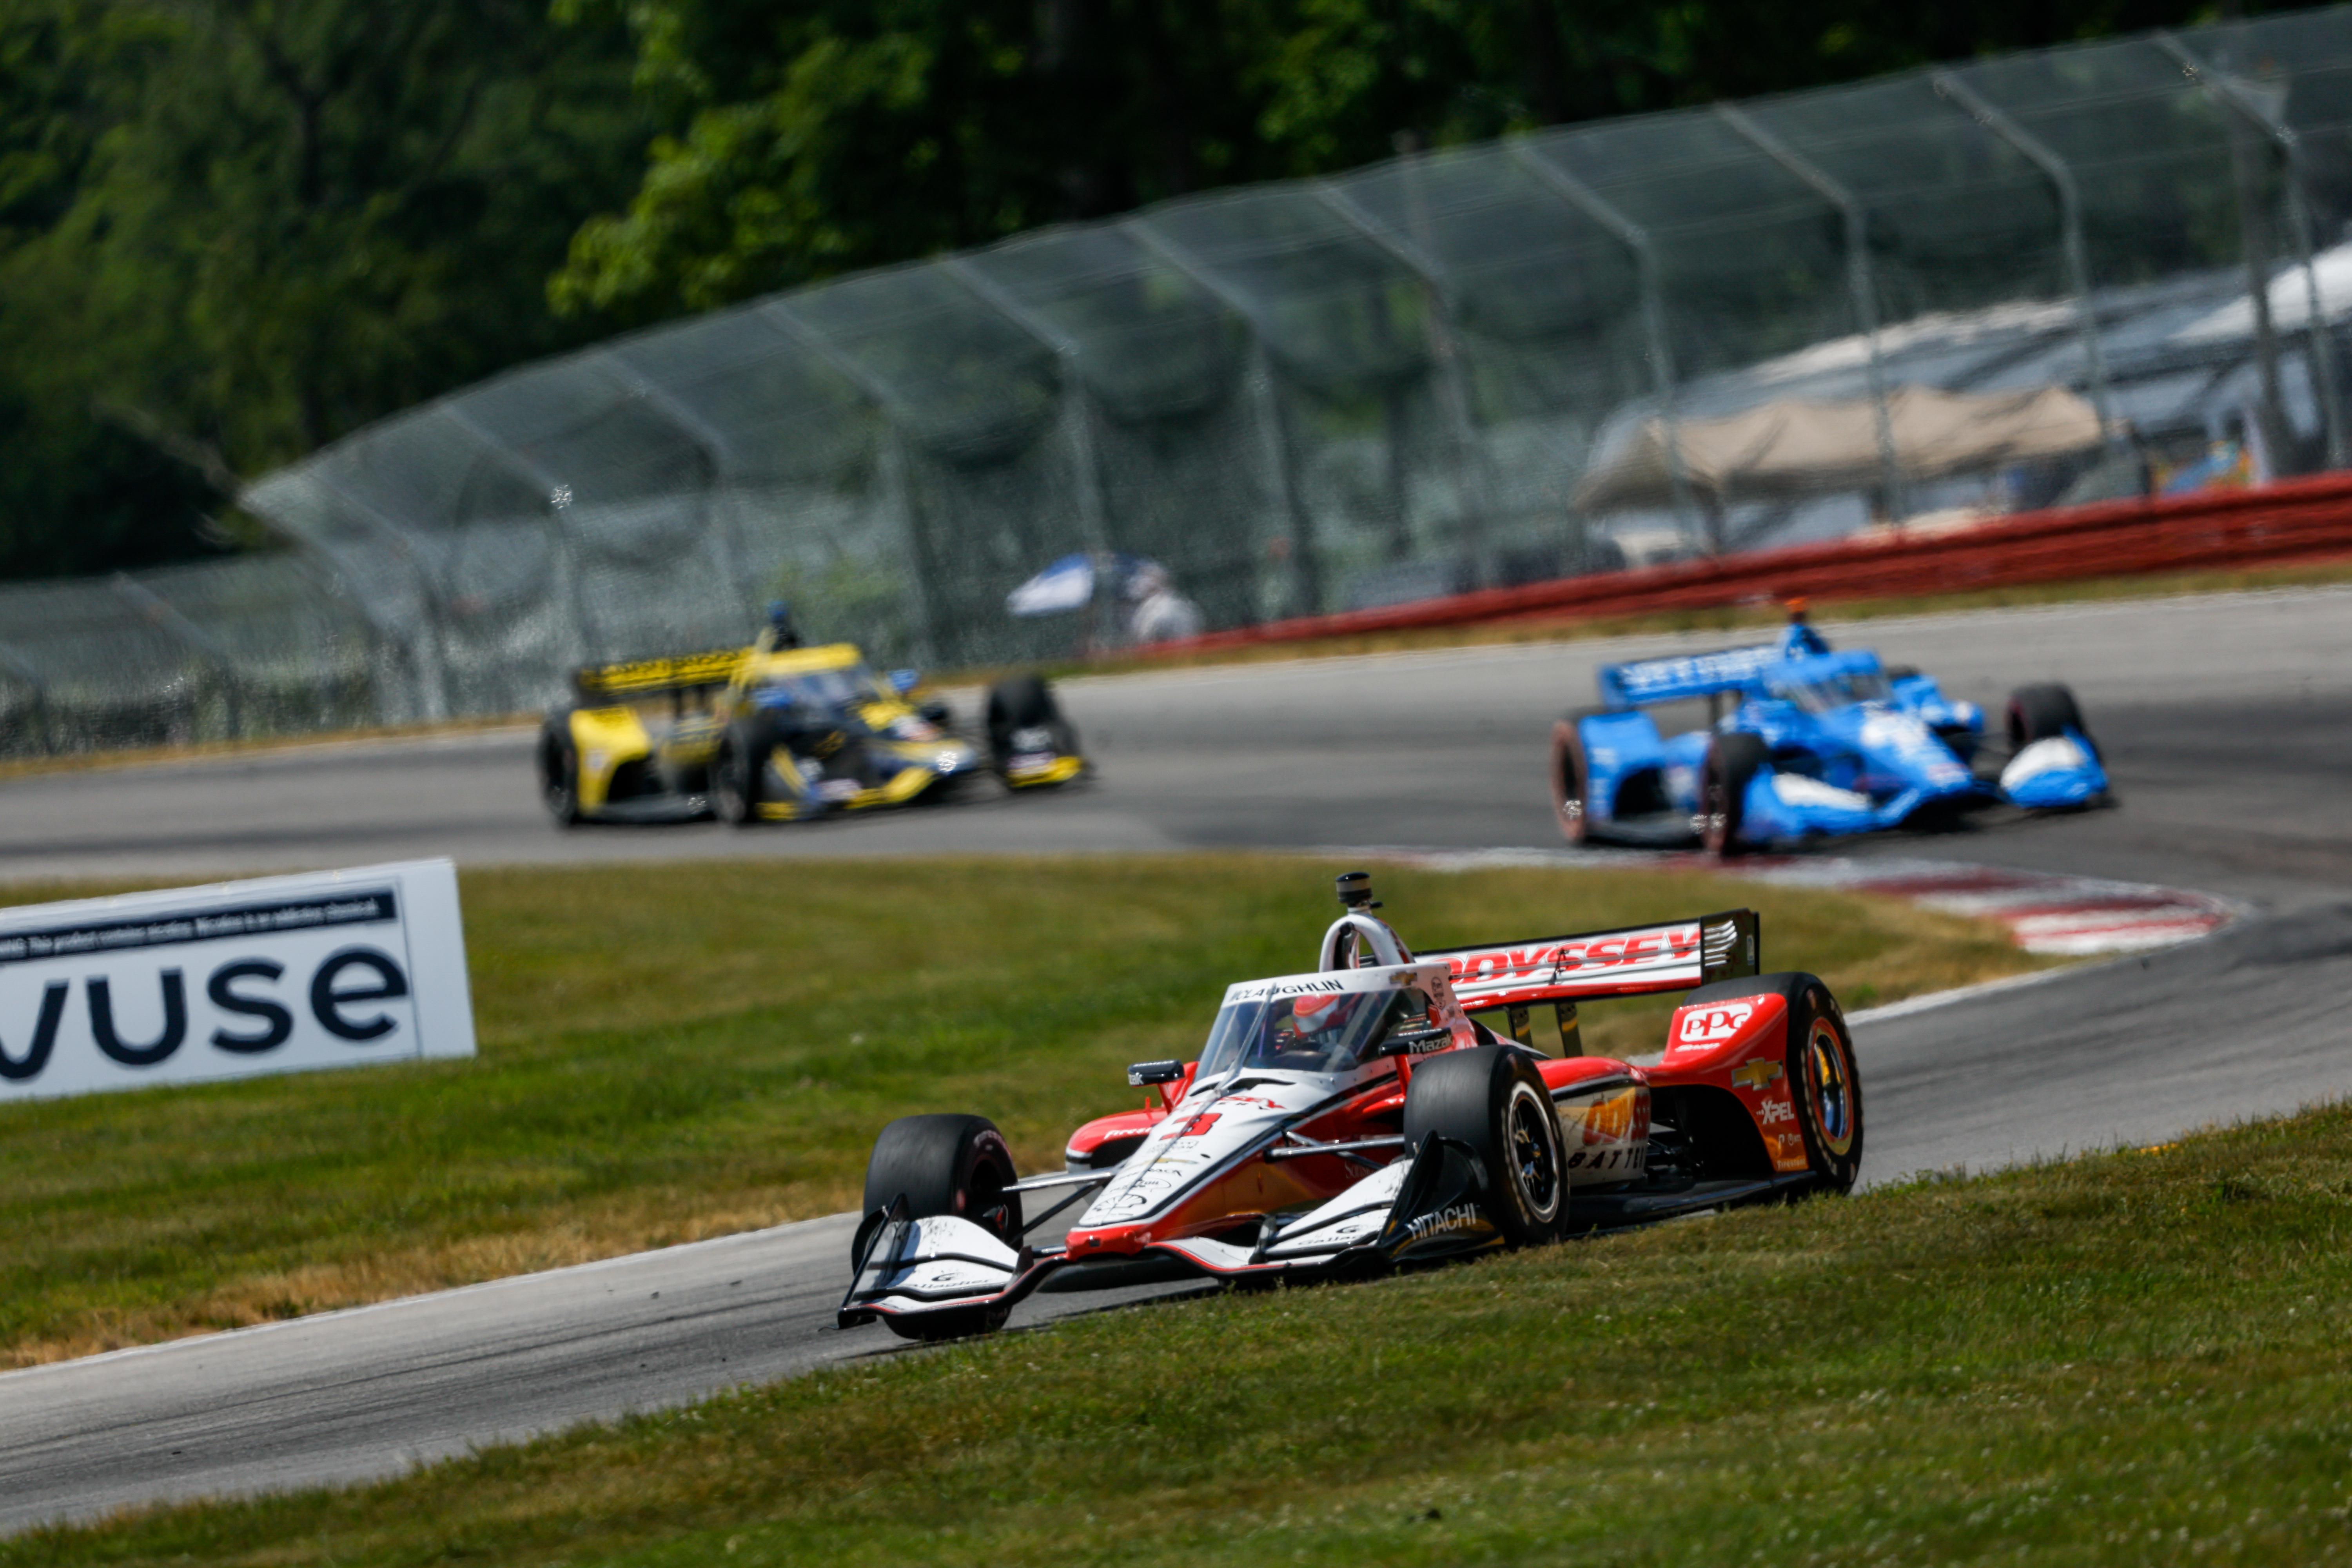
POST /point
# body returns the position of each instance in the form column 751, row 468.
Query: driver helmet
column 1314, row 1014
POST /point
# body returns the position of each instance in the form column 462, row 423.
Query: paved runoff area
column 2226, row 721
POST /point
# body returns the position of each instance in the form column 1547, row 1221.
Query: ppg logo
column 1710, row 1026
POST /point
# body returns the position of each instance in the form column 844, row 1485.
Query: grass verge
column 2135, row 1357
column 676, row 1051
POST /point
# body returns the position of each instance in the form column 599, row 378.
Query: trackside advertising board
column 328, row 969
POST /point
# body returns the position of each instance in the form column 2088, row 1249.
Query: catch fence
column 2051, row 277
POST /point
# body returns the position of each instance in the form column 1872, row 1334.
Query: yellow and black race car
column 778, row 732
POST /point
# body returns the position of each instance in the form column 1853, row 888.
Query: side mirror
column 1143, row 1074
column 902, row 681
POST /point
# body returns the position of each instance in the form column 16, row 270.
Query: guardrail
column 2301, row 519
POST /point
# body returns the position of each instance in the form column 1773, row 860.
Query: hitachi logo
column 1456, row 1216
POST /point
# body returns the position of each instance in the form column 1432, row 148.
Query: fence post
column 1445, row 351
column 1281, row 462
column 22, row 669
column 430, row 654
column 716, row 446
column 1858, row 278
column 162, row 615
column 2070, row 217
column 2233, row 98
column 558, row 498
column 1635, row 238
column 896, row 492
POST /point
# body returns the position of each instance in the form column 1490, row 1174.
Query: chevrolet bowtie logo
column 1755, row 1074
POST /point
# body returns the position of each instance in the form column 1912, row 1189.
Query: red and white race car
column 1359, row 1117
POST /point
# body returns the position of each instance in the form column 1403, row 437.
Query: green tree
column 246, row 227
column 809, row 137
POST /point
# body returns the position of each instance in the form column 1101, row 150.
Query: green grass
column 677, row 1051
column 2134, row 1357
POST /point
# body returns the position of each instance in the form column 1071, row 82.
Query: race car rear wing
column 1643, row 682
column 645, row 677
column 1633, row 962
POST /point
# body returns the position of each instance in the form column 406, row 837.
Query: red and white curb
column 2046, row 913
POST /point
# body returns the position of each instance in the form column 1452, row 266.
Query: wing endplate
column 1633, row 962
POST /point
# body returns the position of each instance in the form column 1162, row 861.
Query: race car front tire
column 1492, row 1100
column 558, row 774
column 1026, row 702
column 943, row 1164
column 1733, row 759
column 1572, row 777
column 946, row 1163
column 2039, row 712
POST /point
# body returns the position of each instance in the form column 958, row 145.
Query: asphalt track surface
column 2227, row 722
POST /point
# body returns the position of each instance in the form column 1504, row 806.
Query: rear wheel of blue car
column 1571, row 778
column 1734, row 758
column 1491, row 1102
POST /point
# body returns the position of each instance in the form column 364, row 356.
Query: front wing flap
column 935, row 1264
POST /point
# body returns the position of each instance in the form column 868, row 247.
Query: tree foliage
column 807, row 137
column 231, row 230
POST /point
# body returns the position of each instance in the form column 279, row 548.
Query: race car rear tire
column 1492, row 1100
column 1572, row 777
column 1825, row 1086
column 739, row 773
column 1824, row 1090
column 2039, row 712
column 558, row 774
column 1733, row 759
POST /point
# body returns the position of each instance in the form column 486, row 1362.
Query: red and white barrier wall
column 2284, row 524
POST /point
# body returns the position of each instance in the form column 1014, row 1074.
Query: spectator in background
column 1156, row 611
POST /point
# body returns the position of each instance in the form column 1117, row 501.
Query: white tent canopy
column 1790, row 447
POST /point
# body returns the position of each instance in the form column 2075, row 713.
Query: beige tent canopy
column 1792, row 447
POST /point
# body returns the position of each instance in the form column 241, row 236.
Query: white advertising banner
column 326, row 969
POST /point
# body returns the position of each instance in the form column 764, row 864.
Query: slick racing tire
column 1733, row 759
column 559, row 773
column 1572, row 777
column 1026, row 702
column 1825, row 1086
column 943, row 1164
column 2038, row 713
column 739, row 773
column 946, row 1164
column 1817, row 1059
column 1492, row 1100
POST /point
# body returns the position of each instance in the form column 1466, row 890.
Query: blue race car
column 1803, row 742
